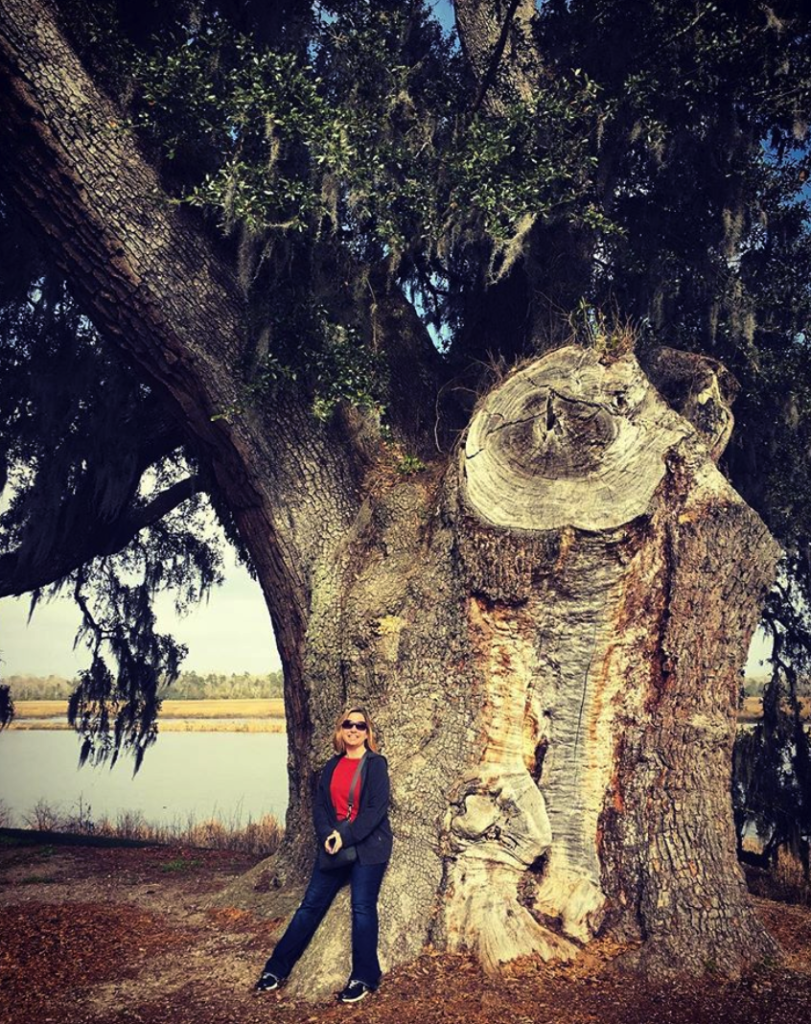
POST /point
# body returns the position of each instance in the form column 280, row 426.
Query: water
column 227, row 776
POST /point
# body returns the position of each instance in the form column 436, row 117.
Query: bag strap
column 353, row 787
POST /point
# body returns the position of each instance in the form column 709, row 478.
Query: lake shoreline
column 223, row 775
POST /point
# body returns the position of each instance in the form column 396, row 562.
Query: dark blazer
column 370, row 832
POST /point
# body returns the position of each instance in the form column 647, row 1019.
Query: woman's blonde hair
column 338, row 739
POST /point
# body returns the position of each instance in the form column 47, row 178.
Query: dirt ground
column 123, row 936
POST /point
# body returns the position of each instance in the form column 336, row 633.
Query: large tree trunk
column 548, row 627
column 550, row 636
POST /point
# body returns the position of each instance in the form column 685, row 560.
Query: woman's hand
column 333, row 842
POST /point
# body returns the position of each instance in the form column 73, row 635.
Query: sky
column 443, row 11
column 229, row 633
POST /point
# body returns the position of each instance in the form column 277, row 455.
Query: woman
column 351, row 815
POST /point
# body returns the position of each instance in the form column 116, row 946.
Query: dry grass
column 175, row 716
column 192, row 725
column 260, row 838
column 257, row 711
column 40, row 708
column 232, row 725
column 242, row 708
column 752, row 710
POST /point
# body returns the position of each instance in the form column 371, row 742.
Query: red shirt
column 339, row 788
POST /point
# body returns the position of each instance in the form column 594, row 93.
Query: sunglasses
column 361, row 726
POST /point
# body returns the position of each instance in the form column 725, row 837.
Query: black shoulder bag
column 347, row 854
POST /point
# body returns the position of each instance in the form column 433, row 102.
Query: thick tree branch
column 20, row 575
column 498, row 53
column 81, row 177
column 160, row 506
column 152, row 280
column 490, row 28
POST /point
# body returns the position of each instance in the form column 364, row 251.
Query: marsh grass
column 235, row 715
column 238, row 715
column 227, row 708
column 260, row 837
column 234, row 725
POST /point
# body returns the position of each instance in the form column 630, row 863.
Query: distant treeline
column 189, row 686
column 238, row 685
column 753, row 687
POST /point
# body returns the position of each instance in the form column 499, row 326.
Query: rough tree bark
column 499, row 47
column 548, row 626
column 550, row 632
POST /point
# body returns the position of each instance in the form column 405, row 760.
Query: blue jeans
column 365, row 880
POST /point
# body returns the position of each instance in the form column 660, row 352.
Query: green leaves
column 331, row 359
column 371, row 138
column 534, row 160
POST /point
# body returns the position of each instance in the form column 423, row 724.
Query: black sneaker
column 354, row 992
column 268, row 982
